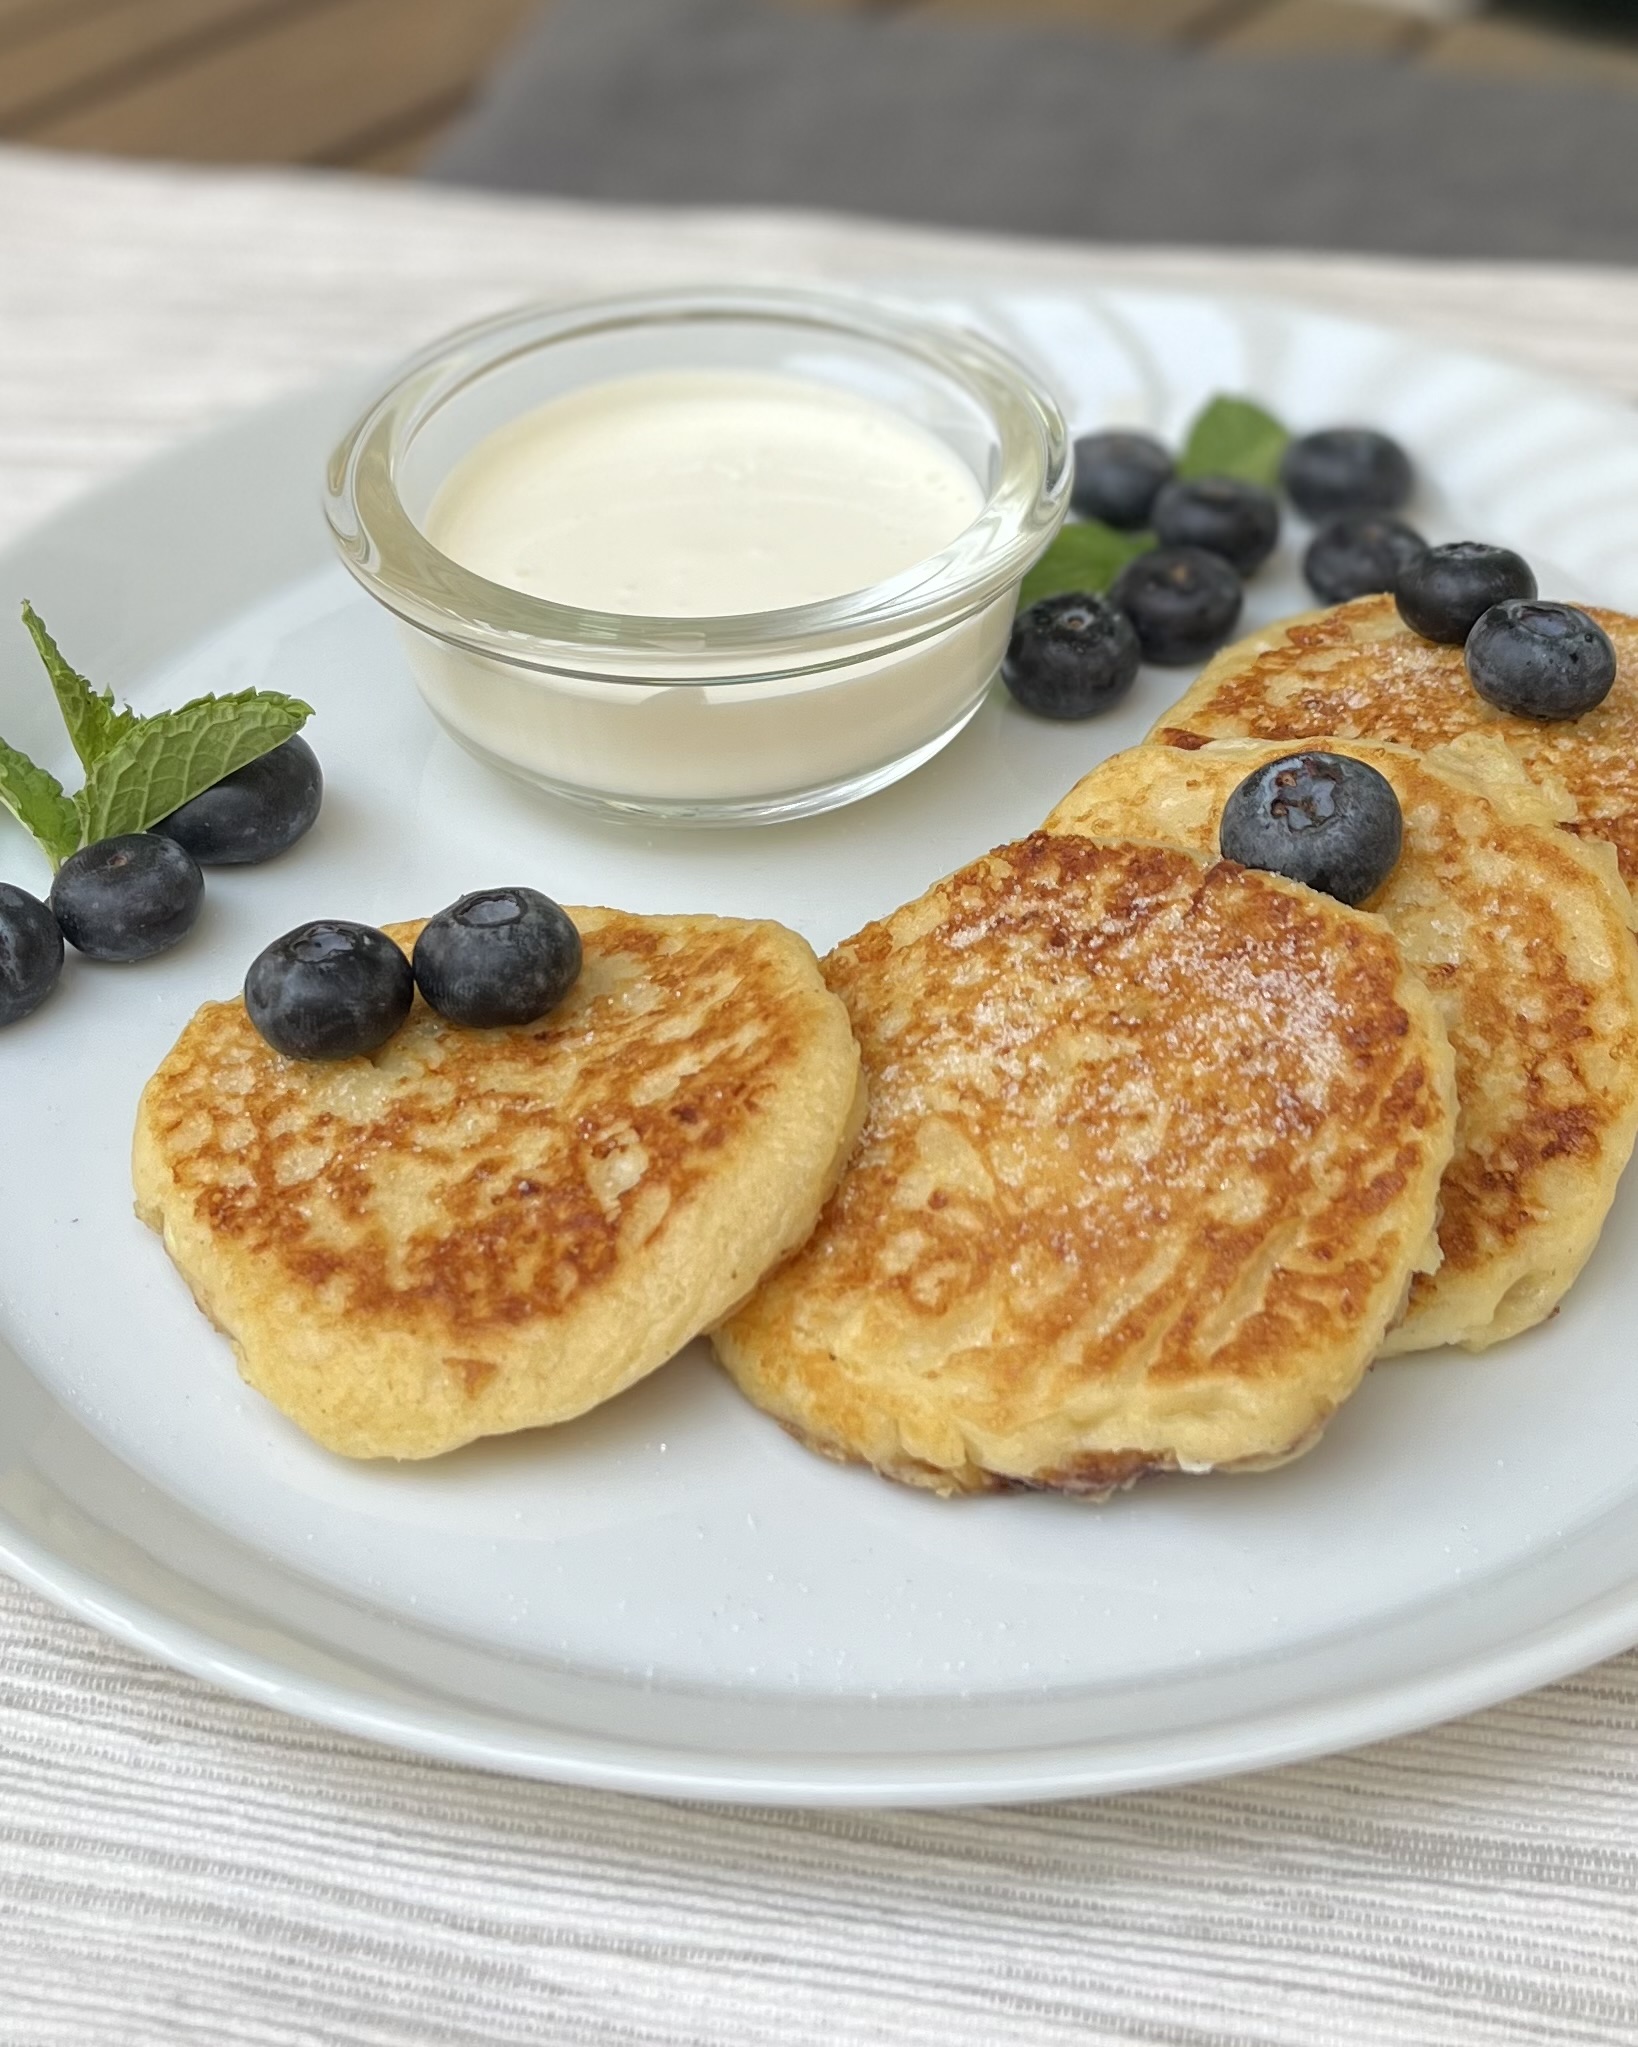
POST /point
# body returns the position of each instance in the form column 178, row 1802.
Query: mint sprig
column 164, row 761
column 1087, row 556
column 95, row 722
column 1234, row 437
column 137, row 769
column 39, row 805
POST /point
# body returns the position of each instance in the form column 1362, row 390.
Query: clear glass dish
column 744, row 718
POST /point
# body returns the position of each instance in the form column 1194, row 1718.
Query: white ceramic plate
column 670, row 1596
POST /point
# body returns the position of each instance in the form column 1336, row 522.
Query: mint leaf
column 96, row 724
column 165, row 761
column 1086, row 556
column 37, row 802
column 1234, row 437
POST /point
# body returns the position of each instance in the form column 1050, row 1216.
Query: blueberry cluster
column 1527, row 657
column 135, row 895
column 1176, row 603
column 332, row 990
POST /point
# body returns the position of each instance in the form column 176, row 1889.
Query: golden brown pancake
column 1522, row 934
column 1153, row 1151
column 1357, row 671
column 474, row 1231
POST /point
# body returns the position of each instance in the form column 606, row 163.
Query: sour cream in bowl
column 717, row 558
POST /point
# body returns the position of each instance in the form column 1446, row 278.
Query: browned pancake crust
column 1357, row 671
column 1523, row 937
column 471, row 1231
column 1152, row 1152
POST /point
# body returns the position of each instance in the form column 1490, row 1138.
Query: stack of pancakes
column 1160, row 1152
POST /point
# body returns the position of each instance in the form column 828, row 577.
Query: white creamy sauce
column 694, row 493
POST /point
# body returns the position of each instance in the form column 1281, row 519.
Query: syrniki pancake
column 1357, row 671
column 1522, row 933
column 1153, row 1151
column 473, row 1231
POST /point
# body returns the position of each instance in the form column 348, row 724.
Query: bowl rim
column 386, row 551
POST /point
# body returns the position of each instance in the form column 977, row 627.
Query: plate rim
column 1270, row 1739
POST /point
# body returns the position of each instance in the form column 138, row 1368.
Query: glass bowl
column 743, row 718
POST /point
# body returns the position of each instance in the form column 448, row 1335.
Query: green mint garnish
column 165, row 761
column 1086, row 556
column 37, row 802
column 1234, row 437
column 96, row 724
column 137, row 770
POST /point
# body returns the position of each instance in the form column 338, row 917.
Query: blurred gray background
column 1444, row 127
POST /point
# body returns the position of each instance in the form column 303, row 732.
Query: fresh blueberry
column 127, row 898
column 1346, row 469
column 1319, row 818
column 1240, row 521
column 1540, row 660
column 329, row 991
column 1359, row 554
column 500, row 956
column 1071, row 656
column 1183, row 603
column 1116, row 477
column 31, row 953
column 254, row 813
column 1445, row 593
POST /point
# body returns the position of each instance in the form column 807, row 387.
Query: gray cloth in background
column 1050, row 131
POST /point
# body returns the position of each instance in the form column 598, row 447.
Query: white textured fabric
column 177, row 1867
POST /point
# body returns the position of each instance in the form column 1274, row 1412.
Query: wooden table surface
column 372, row 83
